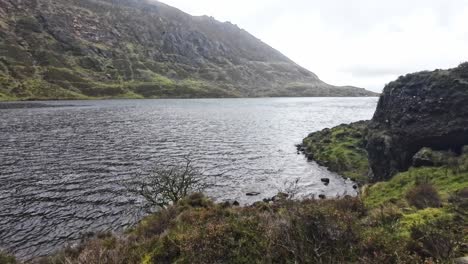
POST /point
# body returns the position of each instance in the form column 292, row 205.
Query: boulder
column 425, row 109
column 325, row 181
column 230, row 203
column 280, row 197
column 427, row 157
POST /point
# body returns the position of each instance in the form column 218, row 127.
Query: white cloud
column 365, row 43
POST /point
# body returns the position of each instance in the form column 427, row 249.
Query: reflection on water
column 63, row 169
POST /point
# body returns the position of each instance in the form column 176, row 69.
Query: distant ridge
column 77, row 49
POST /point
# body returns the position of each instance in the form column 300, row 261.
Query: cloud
column 361, row 71
column 365, row 43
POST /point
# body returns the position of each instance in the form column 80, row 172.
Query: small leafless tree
column 290, row 188
column 168, row 184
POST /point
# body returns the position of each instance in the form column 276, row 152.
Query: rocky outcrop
column 425, row 109
column 139, row 48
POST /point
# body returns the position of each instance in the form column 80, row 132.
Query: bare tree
column 167, row 184
column 290, row 189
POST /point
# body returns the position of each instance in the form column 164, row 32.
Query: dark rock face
column 73, row 48
column 426, row 109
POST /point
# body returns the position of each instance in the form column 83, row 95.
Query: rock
column 423, row 158
column 322, row 196
column 230, row 204
column 325, row 181
column 252, row 194
column 427, row 157
column 257, row 204
column 300, row 148
column 426, row 109
column 465, row 150
column 280, row 197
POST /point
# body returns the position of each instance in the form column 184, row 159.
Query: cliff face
column 426, row 109
column 137, row 48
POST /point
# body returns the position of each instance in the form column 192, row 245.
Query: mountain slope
column 135, row 48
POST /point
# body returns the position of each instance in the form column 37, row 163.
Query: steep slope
column 135, row 48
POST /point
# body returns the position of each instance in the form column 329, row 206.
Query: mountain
column 72, row 49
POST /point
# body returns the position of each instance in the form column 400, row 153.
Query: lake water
column 63, row 170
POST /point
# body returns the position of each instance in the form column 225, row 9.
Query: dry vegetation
column 196, row 230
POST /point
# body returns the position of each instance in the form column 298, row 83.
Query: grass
column 423, row 217
column 445, row 180
column 4, row 97
column 196, row 230
column 341, row 149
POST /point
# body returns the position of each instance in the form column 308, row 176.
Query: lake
column 64, row 169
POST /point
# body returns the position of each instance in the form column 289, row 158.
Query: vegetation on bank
column 341, row 149
column 420, row 216
column 433, row 192
column 196, row 230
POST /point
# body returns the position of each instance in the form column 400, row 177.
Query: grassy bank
column 351, row 230
column 405, row 220
column 340, row 149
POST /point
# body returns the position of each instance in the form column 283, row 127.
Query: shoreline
column 175, row 98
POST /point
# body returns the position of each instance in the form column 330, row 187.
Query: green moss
column 422, row 217
column 341, row 149
column 445, row 180
column 4, row 97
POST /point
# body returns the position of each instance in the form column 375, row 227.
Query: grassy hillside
column 84, row 49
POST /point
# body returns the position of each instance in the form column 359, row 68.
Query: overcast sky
column 365, row 43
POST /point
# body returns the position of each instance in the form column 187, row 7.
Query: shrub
column 195, row 230
column 167, row 184
column 423, row 195
column 99, row 248
column 440, row 240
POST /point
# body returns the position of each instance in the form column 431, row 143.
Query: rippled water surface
column 63, row 169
